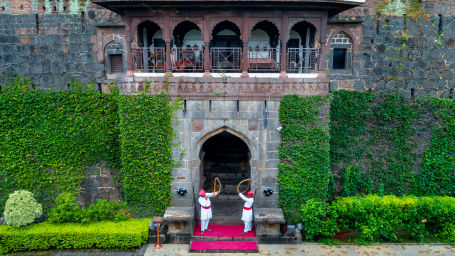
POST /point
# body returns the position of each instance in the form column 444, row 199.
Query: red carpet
column 224, row 245
column 224, row 231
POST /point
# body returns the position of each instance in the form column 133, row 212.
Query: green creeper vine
column 47, row 138
column 146, row 137
column 304, row 153
column 437, row 174
column 375, row 147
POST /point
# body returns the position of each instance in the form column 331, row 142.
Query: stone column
column 284, row 39
column 129, row 55
column 206, row 37
column 245, row 39
column 167, row 40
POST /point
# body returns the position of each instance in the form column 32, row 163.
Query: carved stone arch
column 175, row 21
column 237, row 21
column 238, row 131
column 136, row 22
column 174, row 26
column 252, row 22
column 296, row 21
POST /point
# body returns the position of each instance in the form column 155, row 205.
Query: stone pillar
column 206, row 37
column 245, row 37
column 284, row 39
column 129, row 55
column 167, row 40
column 168, row 57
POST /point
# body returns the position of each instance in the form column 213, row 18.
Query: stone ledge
column 174, row 214
column 269, row 215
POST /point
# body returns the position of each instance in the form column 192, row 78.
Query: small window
column 339, row 58
column 116, row 63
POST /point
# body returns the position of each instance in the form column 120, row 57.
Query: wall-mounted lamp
column 267, row 192
column 181, row 191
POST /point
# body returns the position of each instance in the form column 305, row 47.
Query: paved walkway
column 309, row 249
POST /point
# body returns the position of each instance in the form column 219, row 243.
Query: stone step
column 220, row 246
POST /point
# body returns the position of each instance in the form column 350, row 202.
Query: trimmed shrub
column 22, row 209
column 318, row 219
column 389, row 218
column 104, row 235
column 66, row 209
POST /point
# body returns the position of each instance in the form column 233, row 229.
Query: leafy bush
column 106, row 210
column 382, row 218
column 67, row 210
column 318, row 219
column 22, row 209
column 304, row 167
column 106, row 235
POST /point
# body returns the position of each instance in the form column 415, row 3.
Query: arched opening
column 114, row 61
column 302, row 48
column 150, row 56
column 226, row 47
column 225, row 156
column 188, row 48
column 263, row 48
column 341, row 45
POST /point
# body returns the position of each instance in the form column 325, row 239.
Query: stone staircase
column 223, row 239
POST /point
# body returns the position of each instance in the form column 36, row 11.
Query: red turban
column 202, row 192
column 250, row 193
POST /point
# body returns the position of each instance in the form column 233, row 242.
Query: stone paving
column 310, row 249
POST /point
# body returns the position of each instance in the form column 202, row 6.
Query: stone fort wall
column 54, row 41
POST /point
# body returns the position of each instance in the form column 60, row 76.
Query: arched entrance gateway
column 227, row 157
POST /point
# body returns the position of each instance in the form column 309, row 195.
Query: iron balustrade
column 226, row 59
column 303, row 60
column 264, row 60
column 187, row 60
column 149, row 59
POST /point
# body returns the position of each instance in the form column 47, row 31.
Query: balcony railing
column 187, row 60
column 303, row 60
column 264, row 60
column 226, row 59
column 149, row 59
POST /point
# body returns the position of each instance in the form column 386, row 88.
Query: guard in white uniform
column 247, row 214
column 206, row 209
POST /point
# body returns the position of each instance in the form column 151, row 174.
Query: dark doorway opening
column 227, row 157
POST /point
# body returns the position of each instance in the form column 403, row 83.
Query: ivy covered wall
column 304, row 168
column 387, row 144
column 49, row 138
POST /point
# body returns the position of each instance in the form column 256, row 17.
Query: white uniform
column 247, row 215
column 206, row 214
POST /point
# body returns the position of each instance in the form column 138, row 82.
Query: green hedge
column 48, row 138
column 304, row 166
column 388, row 218
column 106, row 235
column 386, row 144
column 146, row 137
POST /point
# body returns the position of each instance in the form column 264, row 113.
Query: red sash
column 208, row 207
column 246, row 208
